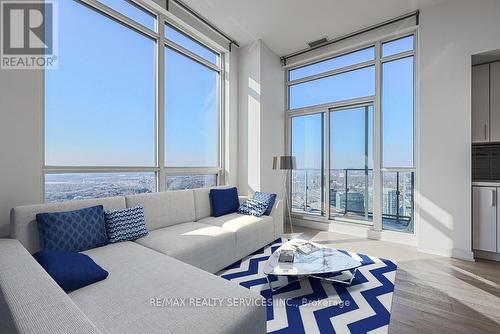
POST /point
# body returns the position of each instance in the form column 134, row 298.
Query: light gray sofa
column 176, row 259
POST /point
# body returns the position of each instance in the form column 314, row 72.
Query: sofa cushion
column 23, row 225
column 165, row 208
column 131, row 299
column 70, row 270
column 251, row 232
column 208, row 247
column 125, row 224
column 72, row 231
column 224, row 201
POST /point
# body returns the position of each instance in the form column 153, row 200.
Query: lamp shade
column 285, row 162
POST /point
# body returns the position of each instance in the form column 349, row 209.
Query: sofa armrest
column 243, row 198
column 31, row 301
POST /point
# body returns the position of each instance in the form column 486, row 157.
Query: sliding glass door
column 351, row 162
column 339, row 140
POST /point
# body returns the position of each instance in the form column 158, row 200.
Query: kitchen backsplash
column 486, row 162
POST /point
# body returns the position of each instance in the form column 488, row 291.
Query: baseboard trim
column 359, row 230
column 486, row 255
column 338, row 227
column 310, row 224
column 461, row 254
column 447, row 252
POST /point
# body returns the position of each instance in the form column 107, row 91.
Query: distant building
column 392, row 202
column 355, row 201
column 333, row 198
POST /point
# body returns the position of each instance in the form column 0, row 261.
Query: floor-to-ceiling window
column 192, row 104
column 133, row 107
column 307, row 179
column 397, row 110
column 352, row 131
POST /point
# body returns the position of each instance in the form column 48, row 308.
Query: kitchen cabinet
column 481, row 104
column 484, row 218
column 495, row 102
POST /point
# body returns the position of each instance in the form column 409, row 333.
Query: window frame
column 163, row 17
column 333, row 71
column 376, row 101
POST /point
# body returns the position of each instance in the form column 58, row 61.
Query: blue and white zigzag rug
column 317, row 306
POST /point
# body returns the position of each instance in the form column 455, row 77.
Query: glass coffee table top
column 325, row 260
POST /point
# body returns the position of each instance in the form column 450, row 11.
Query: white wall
column 20, row 135
column 231, row 119
column 249, row 114
column 261, row 118
column 272, row 119
column 450, row 32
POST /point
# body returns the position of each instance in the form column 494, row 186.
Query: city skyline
column 397, row 208
column 76, row 186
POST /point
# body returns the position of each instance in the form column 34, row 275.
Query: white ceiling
column 288, row 25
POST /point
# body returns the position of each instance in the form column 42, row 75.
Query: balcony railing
column 308, row 196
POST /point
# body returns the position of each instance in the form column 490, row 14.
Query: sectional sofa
column 177, row 259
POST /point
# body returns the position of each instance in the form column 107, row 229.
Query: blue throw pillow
column 70, row 270
column 72, row 231
column 224, row 201
column 266, row 197
column 253, row 207
column 125, row 224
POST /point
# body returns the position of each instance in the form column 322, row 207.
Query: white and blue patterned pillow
column 265, row 197
column 125, row 224
column 253, row 207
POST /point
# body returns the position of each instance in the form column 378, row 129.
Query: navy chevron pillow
column 266, row 197
column 125, row 224
column 252, row 207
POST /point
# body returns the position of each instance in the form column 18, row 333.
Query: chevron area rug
column 312, row 305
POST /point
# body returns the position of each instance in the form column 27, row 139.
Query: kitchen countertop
column 486, row 183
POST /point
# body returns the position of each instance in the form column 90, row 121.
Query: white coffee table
column 326, row 260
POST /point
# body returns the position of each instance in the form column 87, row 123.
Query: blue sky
column 347, row 126
column 333, row 63
column 100, row 103
column 191, row 120
column 347, row 146
column 340, row 87
column 397, row 113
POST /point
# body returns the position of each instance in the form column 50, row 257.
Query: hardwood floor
column 432, row 294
